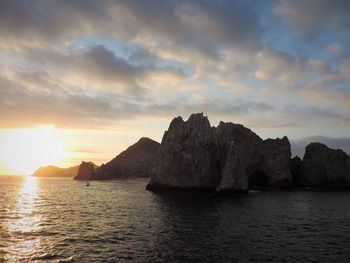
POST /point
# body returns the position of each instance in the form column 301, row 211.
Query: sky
column 102, row 74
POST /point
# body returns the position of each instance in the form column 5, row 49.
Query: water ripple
column 59, row 220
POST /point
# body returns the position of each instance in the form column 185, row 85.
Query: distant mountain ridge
column 54, row 171
column 135, row 162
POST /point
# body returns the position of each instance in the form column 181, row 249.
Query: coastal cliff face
column 228, row 158
column 275, row 162
column 323, row 167
column 187, row 156
column 87, row 171
column 134, row 162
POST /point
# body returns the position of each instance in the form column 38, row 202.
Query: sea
column 61, row 220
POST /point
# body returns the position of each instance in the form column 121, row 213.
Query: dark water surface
column 61, row 220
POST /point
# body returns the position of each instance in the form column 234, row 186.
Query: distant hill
column 135, row 162
column 54, row 171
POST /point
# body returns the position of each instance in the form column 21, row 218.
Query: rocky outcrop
column 238, row 156
column 275, row 162
column 54, row 171
column 324, row 167
column 86, row 171
column 135, row 162
column 228, row 158
column 187, row 156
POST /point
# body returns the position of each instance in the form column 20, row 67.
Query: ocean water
column 60, row 220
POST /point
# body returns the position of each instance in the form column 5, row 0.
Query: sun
column 22, row 151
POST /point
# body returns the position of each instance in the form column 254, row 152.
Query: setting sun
column 24, row 150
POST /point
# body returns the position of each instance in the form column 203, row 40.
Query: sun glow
column 22, row 151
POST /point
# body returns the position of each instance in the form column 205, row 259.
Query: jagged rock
column 135, row 162
column 324, row 167
column 54, row 171
column 195, row 156
column 295, row 169
column 187, row 156
column 276, row 162
column 87, row 171
column 238, row 155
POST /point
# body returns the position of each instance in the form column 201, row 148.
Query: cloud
column 202, row 26
column 280, row 70
column 96, row 67
column 308, row 16
column 94, row 63
column 29, row 98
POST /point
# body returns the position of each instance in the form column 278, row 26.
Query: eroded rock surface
column 195, row 156
column 324, row 167
column 187, row 157
column 86, row 171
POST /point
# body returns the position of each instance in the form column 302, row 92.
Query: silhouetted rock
column 295, row 169
column 238, row 156
column 135, row 162
column 323, row 167
column 54, row 171
column 195, row 156
column 87, row 171
column 275, row 162
column 187, row 156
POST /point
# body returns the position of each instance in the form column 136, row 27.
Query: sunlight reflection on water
column 24, row 222
column 61, row 220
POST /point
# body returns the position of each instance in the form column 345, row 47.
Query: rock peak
column 195, row 156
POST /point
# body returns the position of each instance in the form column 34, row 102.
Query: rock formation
column 275, row 162
column 187, row 156
column 323, row 167
column 54, row 171
column 87, row 171
column 295, row 169
column 228, row 158
column 134, row 162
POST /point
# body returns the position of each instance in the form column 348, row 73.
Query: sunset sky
column 82, row 80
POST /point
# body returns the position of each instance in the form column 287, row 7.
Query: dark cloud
column 21, row 106
column 203, row 26
column 312, row 16
column 57, row 71
column 24, row 22
column 98, row 65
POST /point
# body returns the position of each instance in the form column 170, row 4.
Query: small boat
column 87, row 184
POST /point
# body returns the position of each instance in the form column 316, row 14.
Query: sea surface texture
column 60, row 220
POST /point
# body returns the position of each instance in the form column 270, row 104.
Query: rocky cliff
column 86, row 171
column 229, row 158
column 323, row 167
column 135, row 162
column 295, row 167
column 54, row 171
